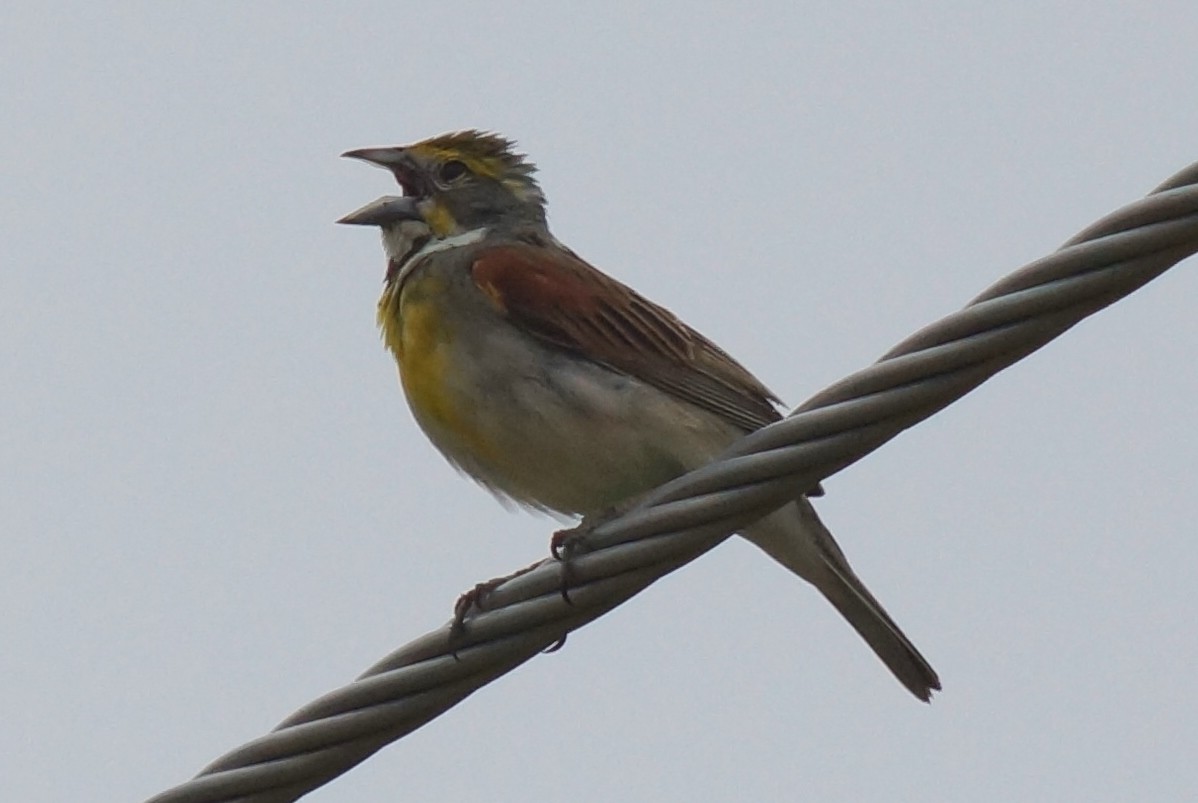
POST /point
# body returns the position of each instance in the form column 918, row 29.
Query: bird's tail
column 795, row 537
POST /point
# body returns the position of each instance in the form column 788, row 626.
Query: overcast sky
column 216, row 507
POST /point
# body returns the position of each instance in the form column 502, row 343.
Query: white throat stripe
column 433, row 246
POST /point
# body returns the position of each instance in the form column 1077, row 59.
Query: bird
column 556, row 386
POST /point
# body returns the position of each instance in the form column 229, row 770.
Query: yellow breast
column 420, row 334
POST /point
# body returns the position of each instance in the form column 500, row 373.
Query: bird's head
column 460, row 182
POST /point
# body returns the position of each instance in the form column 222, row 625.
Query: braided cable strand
column 686, row 517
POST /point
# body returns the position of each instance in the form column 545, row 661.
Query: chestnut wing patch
column 559, row 298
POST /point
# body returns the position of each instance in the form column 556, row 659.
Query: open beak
column 383, row 212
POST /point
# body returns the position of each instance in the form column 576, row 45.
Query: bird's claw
column 564, row 546
column 473, row 598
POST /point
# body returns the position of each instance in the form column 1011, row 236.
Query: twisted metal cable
column 684, row 518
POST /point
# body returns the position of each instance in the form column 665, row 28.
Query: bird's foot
column 565, row 545
column 475, row 599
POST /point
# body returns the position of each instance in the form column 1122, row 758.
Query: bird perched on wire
column 553, row 384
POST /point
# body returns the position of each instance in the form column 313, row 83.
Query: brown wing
column 558, row 297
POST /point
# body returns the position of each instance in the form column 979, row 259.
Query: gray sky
column 216, row 506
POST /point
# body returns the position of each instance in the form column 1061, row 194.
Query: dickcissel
column 553, row 384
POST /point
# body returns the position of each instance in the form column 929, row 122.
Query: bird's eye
column 452, row 171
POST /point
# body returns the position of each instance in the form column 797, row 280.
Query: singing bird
column 556, row 386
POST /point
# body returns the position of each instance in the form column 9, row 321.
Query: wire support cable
column 688, row 516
